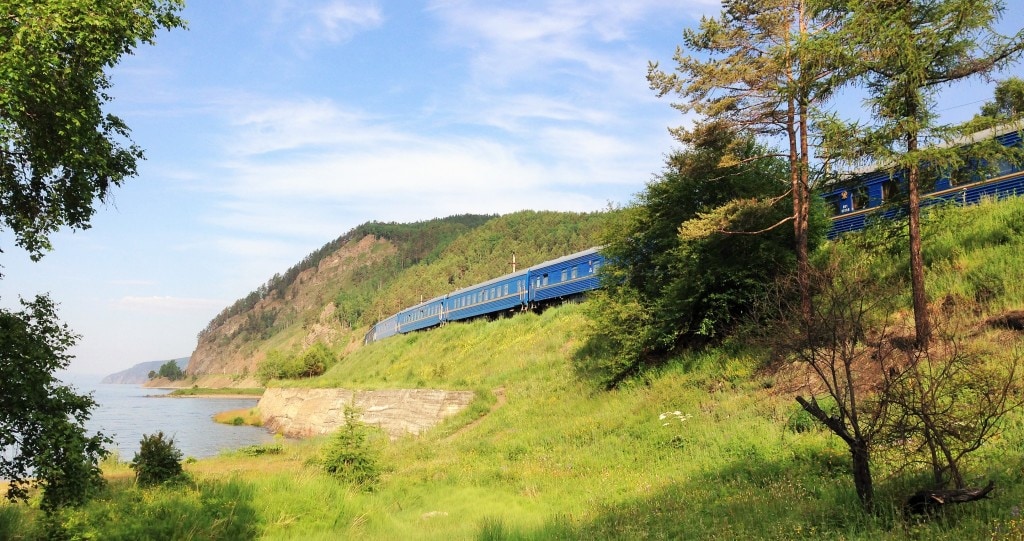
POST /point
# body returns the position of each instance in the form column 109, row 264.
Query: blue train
column 552, row 280
column 854, row 202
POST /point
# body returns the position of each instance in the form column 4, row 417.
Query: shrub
column 158, row 460
column 352, row 455
column 171, row 371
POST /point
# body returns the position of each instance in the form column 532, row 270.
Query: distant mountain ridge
column 139, row 373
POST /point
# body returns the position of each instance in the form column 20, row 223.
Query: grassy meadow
column 709, row 446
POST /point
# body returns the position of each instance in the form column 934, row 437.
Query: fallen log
column 929, row 501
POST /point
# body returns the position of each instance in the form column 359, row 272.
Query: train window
column 929, row 176
column 565, row 274
column 575, row 272
column 835, row 206
column 1003, row 167
column 860, row 198
column 492, row 293
column 965, row 174
column 506, row 289
column 890, row 191
column 597, row 266
column 544, row 279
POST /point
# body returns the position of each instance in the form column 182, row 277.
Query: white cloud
column 340, row 20
column 333, row 21
column 533, row 38
column 309, row 169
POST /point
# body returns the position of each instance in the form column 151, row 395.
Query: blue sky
column 273, row 126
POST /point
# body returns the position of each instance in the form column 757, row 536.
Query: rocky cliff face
column 304, row 313
column 310, row 412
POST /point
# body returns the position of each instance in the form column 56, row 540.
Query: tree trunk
column 862, row 474
column 927, row 501
column 922, row 326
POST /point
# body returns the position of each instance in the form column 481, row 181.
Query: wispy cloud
column 328, row 21
column 341, row 19
column 295, row 168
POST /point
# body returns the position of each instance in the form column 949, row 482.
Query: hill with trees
column 329, row 299
column 140, row 372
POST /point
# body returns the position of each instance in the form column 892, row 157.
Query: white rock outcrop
column 309, row 412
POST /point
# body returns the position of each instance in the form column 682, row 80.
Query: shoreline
column 217, row 395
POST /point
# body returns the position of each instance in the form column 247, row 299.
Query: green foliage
column 800, row 421
column 12, row 523
column 158, row 460
column 209, row 510
column 42, row 421
column 171, row 371
column 61, row 151
column 688, row 259
column 310, row 363
column 1007, row 105
column 260, row 450
column 352, row 455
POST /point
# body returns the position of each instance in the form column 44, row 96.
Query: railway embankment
column 297, row 412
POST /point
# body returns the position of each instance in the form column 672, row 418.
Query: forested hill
column 335, row 293
column 140, row 372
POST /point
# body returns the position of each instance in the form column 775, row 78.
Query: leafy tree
column 679, row 274
column 760, row 69
column 42, row 434
column 904, row 51
column 1007, row 106
column 1008, row 102
column 59, row 152
column 59, row 155
column 315, row 361
column 171, row 371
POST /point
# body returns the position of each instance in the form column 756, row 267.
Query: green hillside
column 711, row 445
column 337, row 292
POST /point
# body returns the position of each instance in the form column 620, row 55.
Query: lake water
column 126, row 412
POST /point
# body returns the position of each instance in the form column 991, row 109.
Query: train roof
column 499, row 279
column 422, row 304
column 1008, row 134
column 588, row 251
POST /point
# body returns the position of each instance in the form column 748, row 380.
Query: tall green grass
column 559, row 458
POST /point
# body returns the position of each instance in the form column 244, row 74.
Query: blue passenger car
column 565, row 276
column 383, row 329
column 865, row 196
column 423, row 315
column 507, row 292
column 556, row 279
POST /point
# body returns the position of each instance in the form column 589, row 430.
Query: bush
column 158, row 460
column 352, row 455
column 171, row 371
column 311, row 363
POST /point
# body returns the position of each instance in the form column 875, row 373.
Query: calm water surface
column 126, row 412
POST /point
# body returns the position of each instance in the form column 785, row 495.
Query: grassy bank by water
column 708, row 447
column 218, row 392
